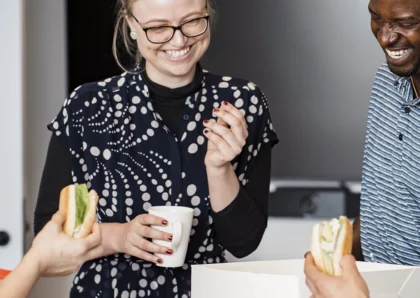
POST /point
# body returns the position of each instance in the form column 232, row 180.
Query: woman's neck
column 169, row 81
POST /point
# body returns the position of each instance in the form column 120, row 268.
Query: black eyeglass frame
column 174, row 28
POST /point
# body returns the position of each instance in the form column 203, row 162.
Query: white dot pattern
column 124, row 151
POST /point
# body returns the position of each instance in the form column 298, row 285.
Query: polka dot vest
column 121, row 148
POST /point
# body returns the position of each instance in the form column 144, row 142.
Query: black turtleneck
column 169, row 103
column 239, row 227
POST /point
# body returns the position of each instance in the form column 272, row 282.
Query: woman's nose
column 178, row 39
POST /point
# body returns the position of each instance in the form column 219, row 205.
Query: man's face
column 396, row 26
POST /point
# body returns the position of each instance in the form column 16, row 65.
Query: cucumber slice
column 328, row 264
column 327, row 232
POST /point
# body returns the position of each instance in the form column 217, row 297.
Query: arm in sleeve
column 56, row 176
column 241, row 225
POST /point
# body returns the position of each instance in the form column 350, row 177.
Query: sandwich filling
column 329, row 232
column 82, row 201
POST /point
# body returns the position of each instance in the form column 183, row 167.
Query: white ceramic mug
column 179, row 225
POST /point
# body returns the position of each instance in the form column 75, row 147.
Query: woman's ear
column 130, row 22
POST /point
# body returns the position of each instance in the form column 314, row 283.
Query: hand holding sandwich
column 349, row 285
column 330, row 268
column 53, row 253
column 56, row 254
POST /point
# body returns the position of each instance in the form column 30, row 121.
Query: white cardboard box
column 276, row 279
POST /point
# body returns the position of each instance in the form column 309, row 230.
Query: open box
column 285, row 278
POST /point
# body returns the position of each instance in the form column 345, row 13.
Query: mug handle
column 176, row 235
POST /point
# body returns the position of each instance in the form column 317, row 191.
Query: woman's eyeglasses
column 162, row 34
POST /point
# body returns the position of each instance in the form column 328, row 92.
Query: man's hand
column 349, row 285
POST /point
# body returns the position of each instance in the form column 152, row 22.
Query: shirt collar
column 402, row 84
column 401, row 81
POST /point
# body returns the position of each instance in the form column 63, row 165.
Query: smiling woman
column 126, row 31
column 167, row 133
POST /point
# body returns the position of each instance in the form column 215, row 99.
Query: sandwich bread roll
column 79, row 206
column 331, row 241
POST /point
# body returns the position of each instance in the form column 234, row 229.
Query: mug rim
column 167, row 209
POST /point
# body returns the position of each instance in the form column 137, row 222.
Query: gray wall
column 45, row 77
column 315, row 61
column 11, row 129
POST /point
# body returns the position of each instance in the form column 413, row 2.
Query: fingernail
column 225, row 103
column 164, row 222
column 206, row 121
column 206, row 131
column 216, row 110
column 160, row 261
column 169, row 252
column 170, row 238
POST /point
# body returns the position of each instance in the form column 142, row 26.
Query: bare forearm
column 110, row 238
column 19, row 283
column 223, row 186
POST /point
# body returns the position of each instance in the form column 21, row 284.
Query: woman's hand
column 135, row 235
column 226, row 137
column 56, row 254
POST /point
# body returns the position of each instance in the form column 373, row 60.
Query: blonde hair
column 122, row 40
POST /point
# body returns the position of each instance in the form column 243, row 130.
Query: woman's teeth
column 176, row 54
column 396, row 54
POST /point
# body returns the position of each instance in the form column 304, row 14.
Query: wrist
column 219, row 170
column 112, row 235
column 33, row 261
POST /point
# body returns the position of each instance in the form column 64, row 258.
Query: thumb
column 93, row 239
column 58, row 218
column 348, row 264
column 96, row 229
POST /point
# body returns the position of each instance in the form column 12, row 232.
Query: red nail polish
column 216, row 110
column 225, row 103
column 206, row 131
column 164, row 222
column 169, row 252
column 206, row 121
column 170, row 238
column 160, row 261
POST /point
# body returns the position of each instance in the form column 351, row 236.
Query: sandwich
column 79, row 206
column 330, row 242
